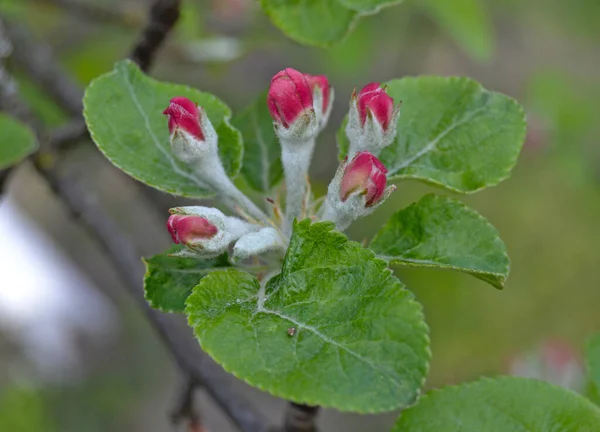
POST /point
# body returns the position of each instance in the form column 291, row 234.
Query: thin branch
column 300, row 418
column 184, row 410
column 163, row 16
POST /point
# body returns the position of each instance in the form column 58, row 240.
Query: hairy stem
column 295, row 158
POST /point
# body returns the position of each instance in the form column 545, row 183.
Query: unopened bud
column 192, row 134
column 359, row 186
column 372, row 120
column 290, row 102
column 190, row 230
column 366, row 175
column 205, row 231
column 322, row 97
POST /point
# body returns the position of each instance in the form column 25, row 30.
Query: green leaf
column 452, row 133
column 368, row 6
column 262, row 153
column 504, row 404
column 592, row 357
column 468, row 23
column 17, row 141
column 320, row 22
column 123, row 111
column 169, row 280
column 444, row 233
column 334, row 328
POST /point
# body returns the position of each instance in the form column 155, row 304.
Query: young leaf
column 169, row 280
column 452, row 133
column 334, row 328
column 444, row 233
column 592, row 357
column 468, row 23
column 504, row 404
column 262, row 152
column 320, row 22
column 123, row 111
column 17, row 141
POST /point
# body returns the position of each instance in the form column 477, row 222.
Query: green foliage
column 23, row 410
column 503, row 404
column 320, row 22
column 468, row 23
column 592, row 357
column 123, row 113
column 17, row 141
column 444, row 233
column 334, row 328
column 452, row 133
column 262, row 153
column 169, row 280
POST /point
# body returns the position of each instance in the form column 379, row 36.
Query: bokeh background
column 75, row 353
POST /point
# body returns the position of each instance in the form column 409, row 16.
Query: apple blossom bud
column 364, row 174
column 193, row 136
column 205, row 231
column 357, row 189
column 372, row 120
column 184, row 114
column 374, row 101
column 190, row 229
column 290, row 102
column 322, row 97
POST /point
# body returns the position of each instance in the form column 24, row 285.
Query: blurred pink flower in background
column 554, row 361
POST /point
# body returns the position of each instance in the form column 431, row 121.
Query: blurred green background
column 542, row 52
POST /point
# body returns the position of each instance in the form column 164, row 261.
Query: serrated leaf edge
column 509, row 99
column 397, row 260
column 497, row 379
column 226, row 119
column 419, row 313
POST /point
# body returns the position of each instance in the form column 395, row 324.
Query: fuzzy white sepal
column 369, row 137
column 255, row 243
column 229, row 230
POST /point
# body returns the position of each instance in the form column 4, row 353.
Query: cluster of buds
column 300, row 105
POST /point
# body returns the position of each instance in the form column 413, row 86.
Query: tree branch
column 300, row 418
column 172, row 330
column 163, row 16
column 184, row 410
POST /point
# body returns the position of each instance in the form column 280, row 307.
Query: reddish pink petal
column 364, row 172
column 188, row 229
column 381, row 106
column 289, row 96
column 322, row 82
column 184, row 114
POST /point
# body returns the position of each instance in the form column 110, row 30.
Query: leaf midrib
column 163, row 151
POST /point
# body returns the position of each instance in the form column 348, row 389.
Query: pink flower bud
column 289, row 97
column 321, row 82
column 187, row 229
column 366, row 174
column 374, row 101
column 184, row 114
